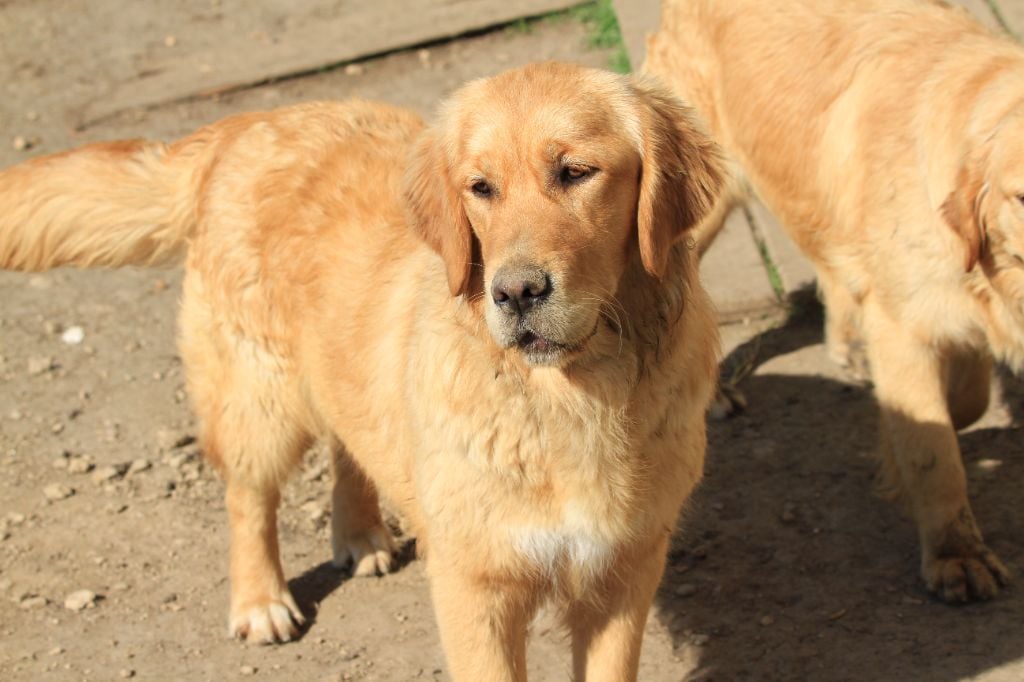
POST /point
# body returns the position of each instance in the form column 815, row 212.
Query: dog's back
column 810, row 96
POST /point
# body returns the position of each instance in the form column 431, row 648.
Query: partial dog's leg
column 262, row 608
column 608, row 626
column 968, row 385
column 240, row 393
column 358, row 534
column 923, row 461
column 483, row 624
column 842, row 314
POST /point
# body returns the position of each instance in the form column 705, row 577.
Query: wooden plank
column 130, row 55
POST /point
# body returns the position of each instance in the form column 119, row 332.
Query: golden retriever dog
column 495, row 320
column 888, row 137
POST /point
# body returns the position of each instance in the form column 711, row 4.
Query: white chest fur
column 576, row 542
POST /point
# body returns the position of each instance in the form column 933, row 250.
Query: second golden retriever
column 493, row 321
column 888, row 136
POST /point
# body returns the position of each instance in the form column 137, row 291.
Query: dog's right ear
column 964, row 209
column 682, row 174
column 436, row 211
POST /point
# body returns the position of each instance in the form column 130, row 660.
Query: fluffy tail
column 107, row 204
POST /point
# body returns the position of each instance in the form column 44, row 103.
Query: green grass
column 602, row 27
column 1001, row 18
column 604, row 33
column 774, row 278
column 522, row 26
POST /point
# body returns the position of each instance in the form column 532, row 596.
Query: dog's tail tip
column 102, row 205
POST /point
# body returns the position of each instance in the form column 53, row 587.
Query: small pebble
column 127, row 673
column 767, row 620
column 80, row 599
column 247, row 670
column 108, row 473
column 38, row 364
column 315, row 511
column 686, row 590
column 171, row 439
column 73, row 336
column 58, row 491
column 139, row 465
column 170, row 41
column 19, row 143
column 30, row 603
column 354, row 70
column 79, row 465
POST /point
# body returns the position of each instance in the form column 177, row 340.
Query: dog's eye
column 574, row 173
column 481, row 188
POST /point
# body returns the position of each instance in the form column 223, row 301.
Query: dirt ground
column 786, row 566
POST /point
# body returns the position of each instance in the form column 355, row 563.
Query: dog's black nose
column 516, row 289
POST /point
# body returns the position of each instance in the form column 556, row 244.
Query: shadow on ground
column 789, row 567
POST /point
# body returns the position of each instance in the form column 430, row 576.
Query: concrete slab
column 795, row 271
column 1012, row 12
column 734, row 273
column 637, row 18
column 169, row 51
column 982, row 11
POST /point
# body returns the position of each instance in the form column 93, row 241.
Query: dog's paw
column 974, row 573
column 851, row 356
column 267, row 621
column 728, row 402
column 369, row 553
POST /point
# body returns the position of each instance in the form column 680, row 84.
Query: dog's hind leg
column 842, row 324
column 358, row 534
column 251, row 431
column 922, row 459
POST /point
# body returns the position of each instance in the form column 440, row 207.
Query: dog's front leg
column 262, row 608
column 483, row 621
column 922, row 463
column 607, row 624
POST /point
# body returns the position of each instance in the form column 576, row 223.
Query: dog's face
column 553, row 177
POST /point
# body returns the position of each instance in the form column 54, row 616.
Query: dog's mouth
column 532, row 342
column 540, row 350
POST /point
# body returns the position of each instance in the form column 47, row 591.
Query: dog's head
column 986, row 208
column 540, row 185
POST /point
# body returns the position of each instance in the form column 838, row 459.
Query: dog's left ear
column 964, row 208
column 681, row 176
column 436, row 210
